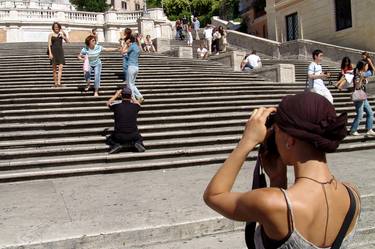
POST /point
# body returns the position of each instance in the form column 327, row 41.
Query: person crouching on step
column 126, row 134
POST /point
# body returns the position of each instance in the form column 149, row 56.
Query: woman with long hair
column 362, row 105
column 310, row 212
column 223, row 39
column 346, row 68
column 56, row 52
column 133, row 50
column 125, row 58
column 366, row 58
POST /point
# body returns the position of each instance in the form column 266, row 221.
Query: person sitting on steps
column 251, row 61
column 126, row 134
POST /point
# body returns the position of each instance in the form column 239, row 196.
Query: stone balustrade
column 83, row 18
column 27, row 24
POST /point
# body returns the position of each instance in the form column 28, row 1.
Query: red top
column 347, row 69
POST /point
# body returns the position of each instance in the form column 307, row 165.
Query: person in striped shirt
column 92, row 50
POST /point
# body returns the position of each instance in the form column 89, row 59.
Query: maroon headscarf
column 311, row 117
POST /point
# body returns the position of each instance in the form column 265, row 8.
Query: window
column 137, row 6
column 343, row 14
column 124, row 5
column 292, row 27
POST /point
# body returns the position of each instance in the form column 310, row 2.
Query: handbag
column 86, row 65
column 259, row 181
column 359, row 95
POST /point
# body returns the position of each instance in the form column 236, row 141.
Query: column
column 146, row 26
column 271, row 20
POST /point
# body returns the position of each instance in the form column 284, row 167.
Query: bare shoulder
column 265, row 201
column 352, row 187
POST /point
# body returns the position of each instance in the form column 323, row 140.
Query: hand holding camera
column 327, row 74
column 256, row 130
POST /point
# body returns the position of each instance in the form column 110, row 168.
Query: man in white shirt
column 251, row 62
column 202, row 52
column 316, row 76
column 208, row 37
column 196, row 27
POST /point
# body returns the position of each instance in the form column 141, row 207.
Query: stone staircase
column 193, row 115
column 190, row 115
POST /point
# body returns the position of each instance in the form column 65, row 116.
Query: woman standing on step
column 93, row 51
column 223, row 39
column 362, row 105
column 125, row 58
column 316, row 206
column 133, row 50
column 56, row 52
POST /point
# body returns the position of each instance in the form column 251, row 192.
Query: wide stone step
column 159, row 115
column 73, row 88
column 60, row 165
column 150, row 90
column 176, row 97
column 88, row 136
column 98, row 148
column 105, row 163
column 146, row 110
column 74, row 121
column 96, row 144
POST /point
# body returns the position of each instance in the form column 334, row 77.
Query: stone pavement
column 149, row 209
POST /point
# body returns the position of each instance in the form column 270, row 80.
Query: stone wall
column 297, row 49
column 78, row 35
column 251, row 42
column 3, row 35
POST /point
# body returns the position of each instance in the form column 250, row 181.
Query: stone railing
column 251, row 42
column 33, row 15
column 62, row 16
column 303, row 48
column 297, row 49
column 4, row 14
column 126, row 17
column 27, row 4
column 82, row 17
column 216, row 21
column 26, row 24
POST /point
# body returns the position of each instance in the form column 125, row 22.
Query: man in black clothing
column 126, row 133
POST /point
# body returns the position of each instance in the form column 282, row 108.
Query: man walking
column 208, row 37
column 126, row 133
column 196, row 27
column 316, row 76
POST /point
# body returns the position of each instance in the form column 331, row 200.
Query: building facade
column 347, row 23
column 126, row 5
column 254, row 17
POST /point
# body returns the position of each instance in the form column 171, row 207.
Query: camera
column 269, row 144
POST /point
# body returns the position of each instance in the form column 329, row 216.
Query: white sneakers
column 355, row 133
column 369, row 133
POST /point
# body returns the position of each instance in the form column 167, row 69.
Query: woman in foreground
column 310, row 212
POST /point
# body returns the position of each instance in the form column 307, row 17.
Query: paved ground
column 130, row 209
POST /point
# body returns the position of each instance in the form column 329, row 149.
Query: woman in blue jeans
column 125, row 58
column 133, row 51
column 360, row 106
column 93, row 51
